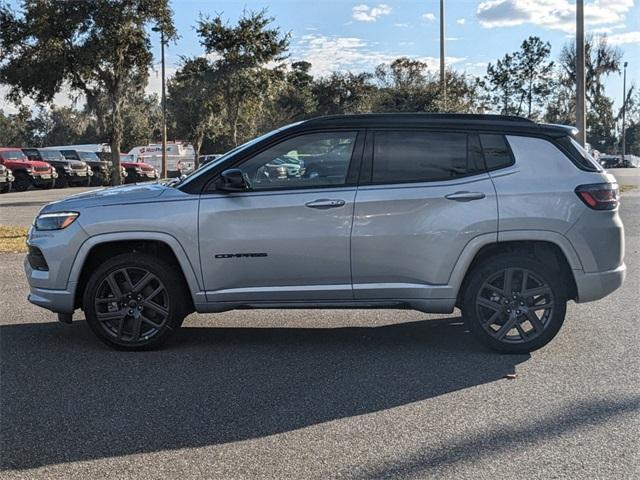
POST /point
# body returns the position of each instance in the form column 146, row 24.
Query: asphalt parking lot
column 320, row 394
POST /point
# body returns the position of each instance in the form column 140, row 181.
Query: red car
column 27, row 173
column 137, row 171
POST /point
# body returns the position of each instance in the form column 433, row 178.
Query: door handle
column 465, row 196
column 324, row 203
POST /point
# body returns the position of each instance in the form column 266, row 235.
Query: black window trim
column 351, row 179
column 366, row 178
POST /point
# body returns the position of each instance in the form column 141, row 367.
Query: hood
column 121, row 195
column 27, row 164
column 141, row 165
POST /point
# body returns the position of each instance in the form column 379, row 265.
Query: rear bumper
column 596, row 285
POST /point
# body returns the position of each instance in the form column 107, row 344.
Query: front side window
column 415, row 156
column 310, row 160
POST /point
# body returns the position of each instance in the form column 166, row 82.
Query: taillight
column 599, row 196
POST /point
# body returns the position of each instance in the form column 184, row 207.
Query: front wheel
column 514, row 303
column 135, row 301
column 22, row 182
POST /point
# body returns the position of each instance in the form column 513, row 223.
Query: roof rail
column 482, row 116
column 432, row 116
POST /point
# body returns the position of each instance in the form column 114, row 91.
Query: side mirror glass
column 233, row 180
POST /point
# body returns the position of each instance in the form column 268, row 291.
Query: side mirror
column 233, row 180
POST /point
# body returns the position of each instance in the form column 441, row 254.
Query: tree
column 99, row 48
column 405, row 87
column 503, row 83
column 534, row 71
column 344, row 93
column 194, row 102
column 244, row 52
column 14, row 128
column 294, row 99
column 601, row 60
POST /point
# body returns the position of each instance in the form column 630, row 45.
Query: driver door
column 288, row 238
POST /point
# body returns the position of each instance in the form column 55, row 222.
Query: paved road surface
column 19, row 208
column 319, row 395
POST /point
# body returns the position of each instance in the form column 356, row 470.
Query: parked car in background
column 137, row 171
column 6, row 179
column 616, row 161
column 27, row 173
column 71, row 173
column 499, row 216
column 101, row 169
column 106, row 156
column 180, row 157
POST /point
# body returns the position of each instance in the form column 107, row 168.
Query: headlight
column 55, row 221
column 28, row 170
column 54, row 174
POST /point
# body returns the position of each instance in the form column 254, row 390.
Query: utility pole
column 443, row 78
column 581, row 123
column 163, row 172
column 624, row 109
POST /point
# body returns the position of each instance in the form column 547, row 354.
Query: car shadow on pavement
column 66, row 398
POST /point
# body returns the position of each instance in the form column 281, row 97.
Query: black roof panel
column 506, row 123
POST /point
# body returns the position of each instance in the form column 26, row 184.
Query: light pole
column 624, row 109
column 163, row 173
column 581, row 123
column 443, row 79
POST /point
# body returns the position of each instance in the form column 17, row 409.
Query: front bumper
column 596, row 285
column 59, row 301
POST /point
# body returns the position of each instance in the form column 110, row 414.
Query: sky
column 357, row 35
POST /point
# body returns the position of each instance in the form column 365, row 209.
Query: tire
column 49, row 185
column 62, row 181
column 136, row 322
column 6, row 188
column 22, row 182
column 504, row 322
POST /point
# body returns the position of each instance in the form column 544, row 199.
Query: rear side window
column 414, row 156
column 496, row 151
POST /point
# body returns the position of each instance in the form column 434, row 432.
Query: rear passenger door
column 423, row 196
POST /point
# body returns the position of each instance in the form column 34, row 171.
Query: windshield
column 51, row 155
column 13, row 155
column 92, row 157
column 212, row 164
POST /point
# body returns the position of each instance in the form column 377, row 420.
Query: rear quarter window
column 497, row 153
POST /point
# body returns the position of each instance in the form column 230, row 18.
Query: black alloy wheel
column 135, row 301
column 514, row 303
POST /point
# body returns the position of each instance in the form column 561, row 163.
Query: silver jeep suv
column 501, row 217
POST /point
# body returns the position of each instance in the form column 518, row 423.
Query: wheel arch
column 551, row 248
column 96, row 249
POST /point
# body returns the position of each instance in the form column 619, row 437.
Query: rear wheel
column 135, row 302
column 514, row 303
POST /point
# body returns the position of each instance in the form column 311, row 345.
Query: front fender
column 179, row 252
